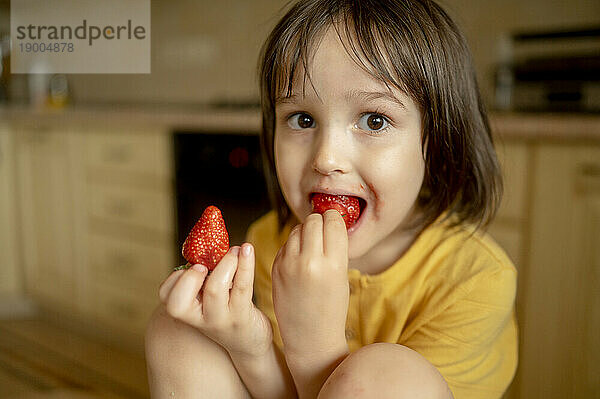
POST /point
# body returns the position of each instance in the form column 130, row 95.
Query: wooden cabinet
column 560, row 348
column 129, row 212
column 10, row 274
column 97, row 218
column 46, row 198
column 509, row 228
column 549, row 224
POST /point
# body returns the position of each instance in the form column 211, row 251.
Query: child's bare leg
column 183, row 363
column 384, row 371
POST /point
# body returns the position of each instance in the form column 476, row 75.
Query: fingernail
column 246, row 250
column 235, row 250
column 199, row 268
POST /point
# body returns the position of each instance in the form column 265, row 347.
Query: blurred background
column 99, row 184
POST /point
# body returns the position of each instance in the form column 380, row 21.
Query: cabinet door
column 507, row 227
column 10, row 281
column 560, row 349
column 129, row 234
column 586, row 227
column 46, row 200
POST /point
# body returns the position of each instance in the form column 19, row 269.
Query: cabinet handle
column 122, row 258
column 39, row 137
column 120, row 208
column 120, row 154
column 122, row 263
column 587, row 179
column 590, row 170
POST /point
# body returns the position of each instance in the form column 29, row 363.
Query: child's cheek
column 289, row 164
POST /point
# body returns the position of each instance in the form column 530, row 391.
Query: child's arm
column 266, row 376
column 310, row 298
column 221, row 308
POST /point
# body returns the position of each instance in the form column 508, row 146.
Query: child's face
column 340, row 143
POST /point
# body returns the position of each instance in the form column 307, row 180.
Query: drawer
column 129, row 264
column 122, row 309
column 136, row 207
column 141, row 152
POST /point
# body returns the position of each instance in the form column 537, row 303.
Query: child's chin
column 357, row 248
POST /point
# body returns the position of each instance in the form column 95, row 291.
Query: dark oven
column 223, row 169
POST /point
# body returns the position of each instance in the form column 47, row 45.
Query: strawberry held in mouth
column 347, row 206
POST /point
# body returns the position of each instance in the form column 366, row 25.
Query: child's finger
column 277, row 262
column 292, row 246
column 335, row 236
column 215, row 299
column 167, row 285
column 312, row 235
column 241, row 293
column 182, row 303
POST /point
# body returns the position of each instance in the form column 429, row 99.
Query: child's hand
column 221, row 309
column 310, row 286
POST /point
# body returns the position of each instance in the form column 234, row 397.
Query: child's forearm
column 266, row 377
column 311, row 370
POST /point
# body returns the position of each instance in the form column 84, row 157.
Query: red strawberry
column 208, row 241
column 347, row 206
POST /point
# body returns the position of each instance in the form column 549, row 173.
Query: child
column 374, row 99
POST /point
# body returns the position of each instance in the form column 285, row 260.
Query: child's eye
column 373, row 122
column 301, row 120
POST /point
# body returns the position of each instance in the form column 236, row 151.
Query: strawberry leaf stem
column 182, row 267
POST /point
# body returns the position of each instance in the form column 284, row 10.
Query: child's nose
column 331, row 154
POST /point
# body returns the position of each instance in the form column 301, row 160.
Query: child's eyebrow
column 374, row 95
column 349, row 96
column 291, row 99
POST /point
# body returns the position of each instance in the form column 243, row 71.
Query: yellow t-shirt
column 450, row 297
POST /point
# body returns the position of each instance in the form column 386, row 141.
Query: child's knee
column 168, row 339
column 385, row 371
column 184, row 361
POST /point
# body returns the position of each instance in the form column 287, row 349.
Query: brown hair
column 416, row 47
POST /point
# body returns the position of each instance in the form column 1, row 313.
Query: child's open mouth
column 350, row 207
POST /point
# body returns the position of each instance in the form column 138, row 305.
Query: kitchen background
column 97, row 187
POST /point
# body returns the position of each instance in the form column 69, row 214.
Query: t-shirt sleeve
column 473, row 341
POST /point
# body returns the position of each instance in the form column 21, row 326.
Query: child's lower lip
column 356, row 225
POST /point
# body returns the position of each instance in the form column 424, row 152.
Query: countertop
column 170, row 118
column 522, row 126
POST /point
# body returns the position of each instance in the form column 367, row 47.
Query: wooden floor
column 39, row 359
